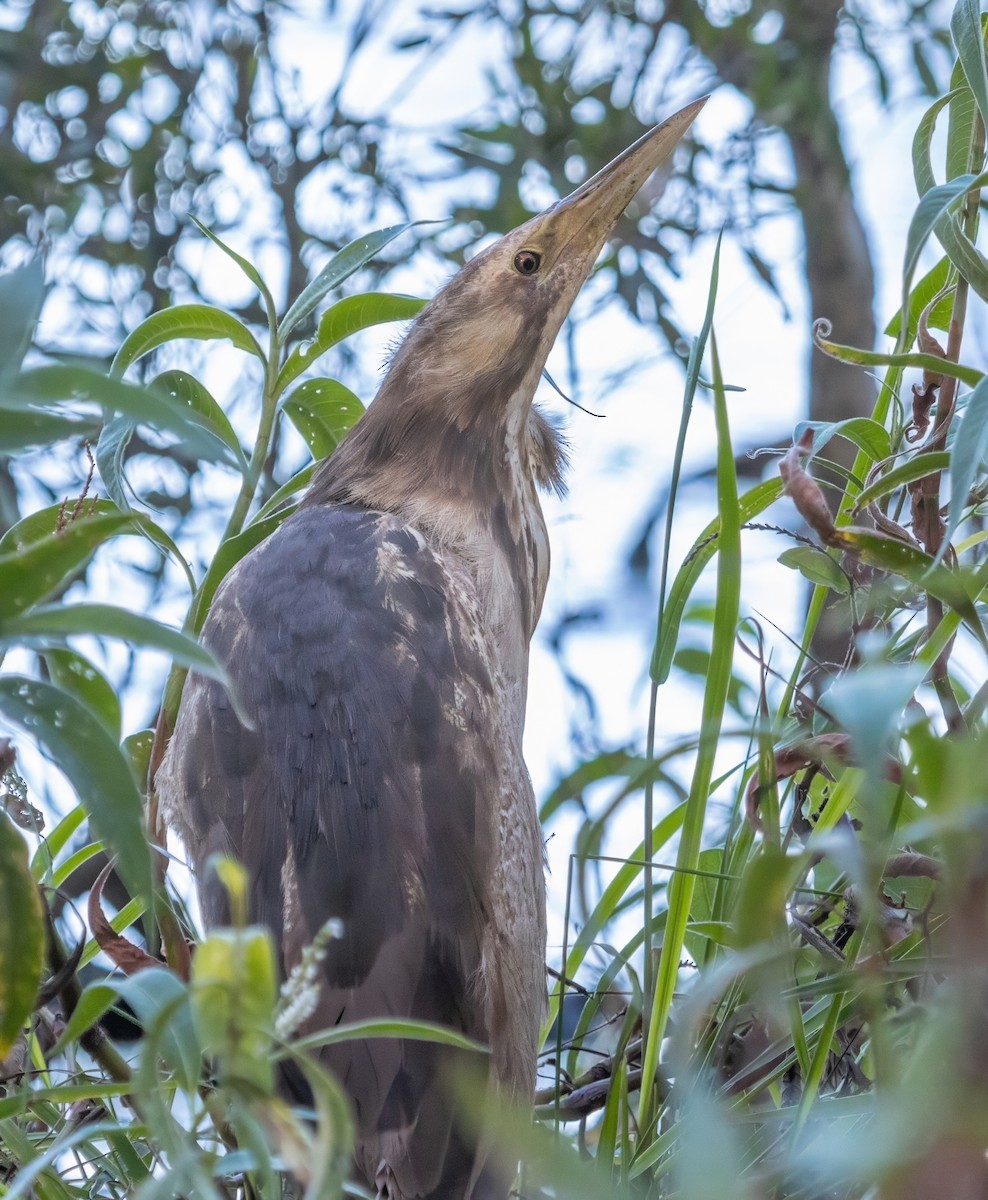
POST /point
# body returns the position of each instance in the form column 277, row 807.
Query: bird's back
column 381, row 786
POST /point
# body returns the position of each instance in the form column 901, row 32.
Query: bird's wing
column 358, row 795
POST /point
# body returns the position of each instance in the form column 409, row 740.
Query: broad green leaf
column 93, row 764
column 967, row 456
column 32, row 427
column 324, row 412
column 244, row 264
column 339, row 268
column 867, row 435
column 76, row 675
column 817, row 566
column 137, row 749
column 968, row 39
column 22, row 935
column 22, row 293
column 34, row 571
column 753, row 502
column 186, row 390
column 196, row 321
column 105, row 620
column 917, row 467
column 75, row 384
column 346, row 317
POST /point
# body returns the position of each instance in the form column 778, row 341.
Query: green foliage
column 797, row 944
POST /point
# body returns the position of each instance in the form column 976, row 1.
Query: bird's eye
column 527, row 262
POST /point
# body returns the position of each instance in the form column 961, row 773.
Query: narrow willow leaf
column 186, row 390
column 870, row 358
column 161, row 1002
column 324, row 412
column 753, row 502
column 33, row 572
column 339, row 268
column 347, row 317
column 933, row 215
column 110, row 450
column 914, row 468
column 967, row 457
column 93, row 764
column 868, row 435
column 244, row 264
column 32, row 427
column 410, row 1030
column 105, row 620
column 965, row 30
column 40, row 525
column 817, row 566
column 22, row 935
column 22, row 293
column 59, row 384
column 301, row 479
column 934, row 281
column 53, row 844
column 95, row 1001
column 75, row 674
column 196, row 321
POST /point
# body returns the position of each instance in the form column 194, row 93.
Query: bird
column 378, row 642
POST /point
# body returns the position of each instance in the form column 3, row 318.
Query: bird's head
column 457, row 400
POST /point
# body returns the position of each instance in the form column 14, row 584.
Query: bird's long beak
column 585, row 218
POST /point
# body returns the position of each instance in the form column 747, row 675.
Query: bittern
column 379, row 643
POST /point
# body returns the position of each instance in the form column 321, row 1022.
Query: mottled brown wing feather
column 359, row 795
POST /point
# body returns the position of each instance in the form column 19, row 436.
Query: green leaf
column 22, row 293
column 76, row 675
column 298, row 481
column 339, row 268
column 60, row 384
column 324, row 412
column 137, row 749
column 346, row 317
column 967, row 456
column 869, row 702
column 225, row 559
column 965, row 30
column 22, row 935
column 933, row 215
column 110, row 449
column 20, row 430
column 33, row 571
column 196, row 321
column 817, row 566
column 161, row 1002
column 186, row 390
column 917, row 467
column 96, row 999
column 105, row 620
column 51, row 845
column 753, row 502
column 93, row 764
column 244, row 264
column 870, row 358
column 934, row 281
column 866, row 434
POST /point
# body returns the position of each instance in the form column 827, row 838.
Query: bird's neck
column 466, row 474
